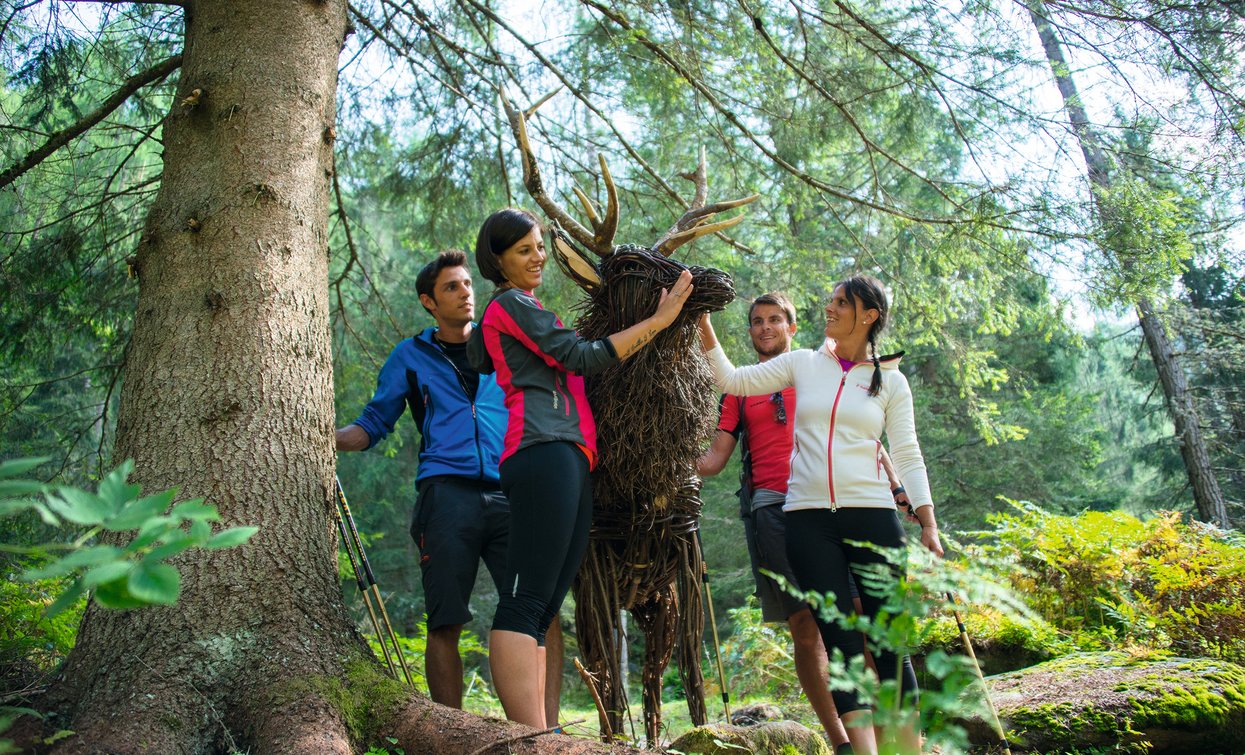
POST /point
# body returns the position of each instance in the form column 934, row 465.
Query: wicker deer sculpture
column 653, row 412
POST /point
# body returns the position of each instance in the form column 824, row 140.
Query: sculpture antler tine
column 589, row 210
column 679, row 239
column 532, row 181
column 532, row 110
column 699, row 179
column 691, row 225
column 609, row 226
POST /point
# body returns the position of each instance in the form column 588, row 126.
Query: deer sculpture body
column 653, row 412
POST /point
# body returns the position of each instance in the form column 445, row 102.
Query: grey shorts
column 766, row 532
column 456, row 523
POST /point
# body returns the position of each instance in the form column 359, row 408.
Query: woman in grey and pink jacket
column 550, row 444
column 849, row 395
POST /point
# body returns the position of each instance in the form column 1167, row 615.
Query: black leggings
column 550, row 496
column 820, row 560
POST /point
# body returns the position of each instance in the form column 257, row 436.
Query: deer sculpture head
column 626, row 272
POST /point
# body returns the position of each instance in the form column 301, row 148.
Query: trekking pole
column 713, row 624
column 371, row 581
column 367, row 597
column 968, row 649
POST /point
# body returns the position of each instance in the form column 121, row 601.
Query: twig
column 521, row 737
column 63, row 137
column 607, row 733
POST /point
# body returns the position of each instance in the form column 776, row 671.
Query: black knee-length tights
column 820, row 559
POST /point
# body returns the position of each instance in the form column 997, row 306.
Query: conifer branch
column 139, row 80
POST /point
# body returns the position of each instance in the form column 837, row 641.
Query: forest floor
column 579, row 718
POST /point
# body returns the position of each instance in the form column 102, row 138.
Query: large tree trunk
column 1183, row 412
column 228, row 395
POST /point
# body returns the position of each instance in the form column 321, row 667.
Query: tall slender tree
column 1172, row 378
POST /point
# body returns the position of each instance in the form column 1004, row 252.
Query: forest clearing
column 214, row 218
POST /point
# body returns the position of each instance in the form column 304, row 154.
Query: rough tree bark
column 1183, row 412
column 228, row 394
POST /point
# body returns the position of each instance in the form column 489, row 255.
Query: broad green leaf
column 144, row 539
column 105, row 573
column 177, row 543
column 65, row 599
column 87, row 557
column 14, row 488
column 115, row 490
column 155, row 583
column 15, row 467
column 137, row 512
column 45, row 513
column 157, row 525
column 9, row 508
column 116, row 594
column 195, row 510
column 231, row 537
column 200, row 531
column 79, row 506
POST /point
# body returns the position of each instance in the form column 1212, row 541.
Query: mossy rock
column 769, row 738
column 1160, row 706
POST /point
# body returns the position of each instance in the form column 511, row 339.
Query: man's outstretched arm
column 351, row 438
column 712, row 461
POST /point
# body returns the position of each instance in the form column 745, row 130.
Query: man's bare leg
column 443, row 666
column 812, row 669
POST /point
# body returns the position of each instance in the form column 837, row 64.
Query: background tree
column 1133, row 230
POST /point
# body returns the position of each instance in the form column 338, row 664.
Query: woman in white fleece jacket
column 847, row 396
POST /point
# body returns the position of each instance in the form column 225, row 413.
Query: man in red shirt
column 762, row 426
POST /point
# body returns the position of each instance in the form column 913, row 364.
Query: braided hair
column 872, row 295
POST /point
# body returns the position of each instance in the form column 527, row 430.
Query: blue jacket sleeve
column 393, row 387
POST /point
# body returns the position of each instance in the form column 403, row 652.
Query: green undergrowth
column 1109, row 581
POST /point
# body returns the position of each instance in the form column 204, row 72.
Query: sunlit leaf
column 155, row 583
column 136, row 512
column 231, row 537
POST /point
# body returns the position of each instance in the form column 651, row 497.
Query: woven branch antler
column 691, row 226
column 601, row 238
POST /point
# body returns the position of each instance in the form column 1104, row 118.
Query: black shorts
column 457, row 522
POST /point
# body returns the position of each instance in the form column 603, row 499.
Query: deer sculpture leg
column 598, row 627
column 691, row 631
column 657, row 617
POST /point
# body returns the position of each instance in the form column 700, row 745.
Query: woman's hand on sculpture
column 671, row 302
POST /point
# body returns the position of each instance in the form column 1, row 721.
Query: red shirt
column 767, row 449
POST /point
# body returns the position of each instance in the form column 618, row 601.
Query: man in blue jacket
column 460, row 514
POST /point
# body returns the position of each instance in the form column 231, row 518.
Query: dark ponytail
column 872, row 295
column 875, row 385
